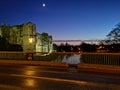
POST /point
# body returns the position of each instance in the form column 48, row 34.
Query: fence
column 101, row 58
column 87, row 58
column 12, row 55
column 6, row 55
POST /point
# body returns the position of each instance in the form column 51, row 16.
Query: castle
column 26, row 36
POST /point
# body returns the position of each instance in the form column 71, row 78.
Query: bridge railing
column 87, row 58
column 6, row 55
column 101, row 58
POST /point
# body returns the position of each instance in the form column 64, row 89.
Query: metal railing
column 87, row 58
column 101, row 58
column 6, row 55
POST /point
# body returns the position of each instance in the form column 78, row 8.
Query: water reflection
column 29, row 72
column 29, row 82
column 68, row 58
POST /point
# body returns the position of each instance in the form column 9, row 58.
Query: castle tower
column 29, row 37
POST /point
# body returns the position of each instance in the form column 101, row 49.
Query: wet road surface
column 23, row 77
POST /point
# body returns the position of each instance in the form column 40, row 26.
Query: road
column 25, row 77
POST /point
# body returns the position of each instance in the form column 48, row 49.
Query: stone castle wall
column 20, row 34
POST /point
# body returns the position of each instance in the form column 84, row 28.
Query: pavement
column 30, row 62
column 25, row 77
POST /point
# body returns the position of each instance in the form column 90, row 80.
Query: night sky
column 64, row 19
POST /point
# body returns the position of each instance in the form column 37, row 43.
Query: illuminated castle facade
column 26, row 36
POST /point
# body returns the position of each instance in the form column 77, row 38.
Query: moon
column 43, row 5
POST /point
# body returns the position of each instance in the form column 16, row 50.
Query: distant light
column 44, row 5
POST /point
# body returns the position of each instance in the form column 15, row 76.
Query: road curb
column 40, row 63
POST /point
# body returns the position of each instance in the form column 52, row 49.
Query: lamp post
column 30, row 43
column 30, row 53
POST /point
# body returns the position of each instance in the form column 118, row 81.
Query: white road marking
column 53, row 79
column 98, row 84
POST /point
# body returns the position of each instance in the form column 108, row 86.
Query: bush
column 88, row 47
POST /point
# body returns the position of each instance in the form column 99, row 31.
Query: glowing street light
column 30, row 40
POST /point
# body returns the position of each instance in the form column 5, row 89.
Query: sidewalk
column 39, row 63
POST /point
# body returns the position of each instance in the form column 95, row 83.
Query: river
column 70, row 59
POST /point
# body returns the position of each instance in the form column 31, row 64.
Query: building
column 26, row 36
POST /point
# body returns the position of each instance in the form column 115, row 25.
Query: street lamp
column 30, row 53
column 30, row 40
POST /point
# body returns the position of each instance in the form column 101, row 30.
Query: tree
column 88, row 47
column 5, row 31
column 14, row 47
column 3, row 44
column 114, row 35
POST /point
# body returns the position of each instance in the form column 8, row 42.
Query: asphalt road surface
column 25, row 77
